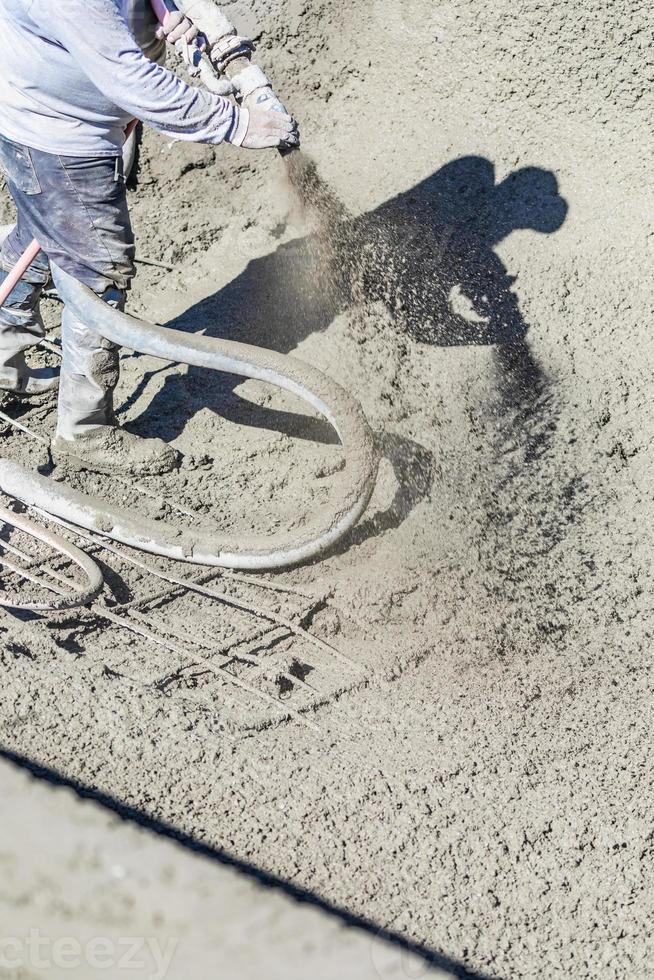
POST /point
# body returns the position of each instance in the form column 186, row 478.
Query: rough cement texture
column 485, row 790
column 85, row 894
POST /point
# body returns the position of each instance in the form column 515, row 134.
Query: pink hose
column 19, row 271
column 160, row 8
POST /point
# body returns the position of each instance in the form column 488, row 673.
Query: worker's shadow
column 427, row 255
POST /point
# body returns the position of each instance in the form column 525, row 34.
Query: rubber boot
column 88, row 436
column 21, row 327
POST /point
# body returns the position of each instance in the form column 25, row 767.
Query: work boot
column 21, row 326
column 112, row 450
column 17, row 378
column 88, row 436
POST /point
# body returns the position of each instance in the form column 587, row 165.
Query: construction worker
column 73, row 74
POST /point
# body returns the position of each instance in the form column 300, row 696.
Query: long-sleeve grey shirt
column 74, row 72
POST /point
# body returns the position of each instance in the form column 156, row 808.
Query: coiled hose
column 206, row 547
column 77, row 594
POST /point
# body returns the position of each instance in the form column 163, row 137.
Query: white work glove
column 265, row 98
column 232, row 47
column 184, row 36
column 254, row 89
column 269, row 129
column 255, row 93
column 209, row 17
column 176, row 27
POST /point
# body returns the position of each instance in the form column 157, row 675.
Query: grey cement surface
column 486, row 790
column 87, row 894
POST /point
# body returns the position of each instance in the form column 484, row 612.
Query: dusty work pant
column 76, row 208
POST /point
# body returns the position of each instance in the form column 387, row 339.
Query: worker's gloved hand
column 254, row 90
column 255, row 93
column 269, row 129
column 176, row 27
column 264, row 98
column 232, row 47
